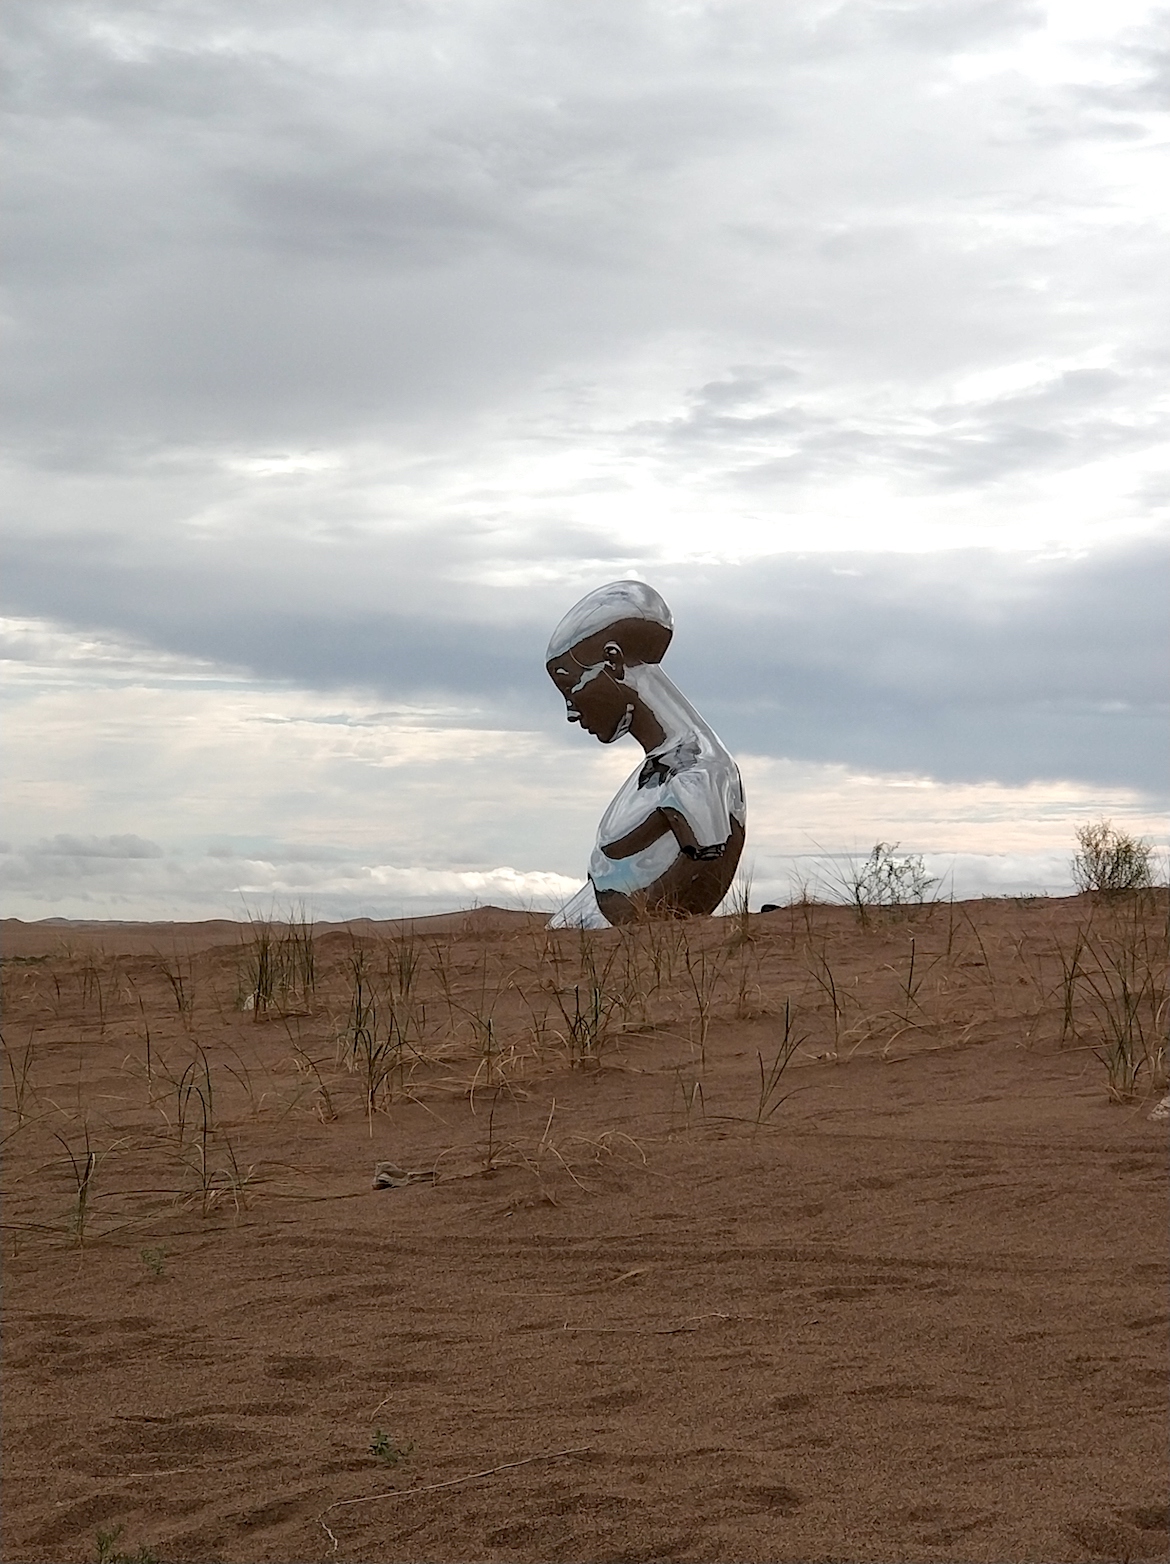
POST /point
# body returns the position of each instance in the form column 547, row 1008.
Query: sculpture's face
column 593, row 695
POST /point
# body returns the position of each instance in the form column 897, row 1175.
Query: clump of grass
column 89, row 981
column 741, row 942
column 279, row 961
column 636, row 983
column 370, row 1047
column 747, row 977
column 912, row 983
column 547, row 1158
column 146, row 1036
column 739, row 909
column 261, row 965
column 539, row 1001
column 306, row 1065
column 492, row 1148
column 300, row 958
column 588, row 1007
column 403, row 971
column 108, row 1552
column 207, row 1153
column 179, row 972
column 664, row 943
column 1070, row 974
column 586, row 1021
column 1109, row 860
column 388, row 1450
column 155, row 1261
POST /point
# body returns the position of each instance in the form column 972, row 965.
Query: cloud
column 974, row 665
column 64, row 846
column 1001, row 669
column 360, row 216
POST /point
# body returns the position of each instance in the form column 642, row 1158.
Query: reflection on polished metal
column 671, row 839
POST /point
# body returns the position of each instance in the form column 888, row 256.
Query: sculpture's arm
column 687, row 839
column 642, row 836
column 687, row 886
column 656, row 825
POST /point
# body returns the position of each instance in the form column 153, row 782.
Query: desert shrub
column 885, row 880
column 1124, row 975
column 1111, row 860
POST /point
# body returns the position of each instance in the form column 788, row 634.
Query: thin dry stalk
column 818, row 967
column 770, row 1099
column 305, row 1064
column 20, row 1072
column 83, row 1164
column 145, row 1029
column 690, row 1089
column 1070, row 975
column 739, row 910
column 704, row 968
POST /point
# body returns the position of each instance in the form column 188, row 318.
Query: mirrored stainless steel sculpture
column 671, row 839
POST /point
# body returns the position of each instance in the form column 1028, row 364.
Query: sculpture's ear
column 615, row 658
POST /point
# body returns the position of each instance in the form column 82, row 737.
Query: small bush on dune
column 886, row 880
column 1111, row 860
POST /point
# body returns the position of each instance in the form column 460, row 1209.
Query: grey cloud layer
column 974, row 665
column 248, row 221
column 753, row 250
column 125, row 846
column 759, row 429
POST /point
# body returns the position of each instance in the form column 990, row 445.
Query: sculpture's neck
column 671, row 717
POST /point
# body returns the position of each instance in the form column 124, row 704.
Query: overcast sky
column 348, row 343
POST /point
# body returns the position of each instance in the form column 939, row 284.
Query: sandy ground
column 648, row 1295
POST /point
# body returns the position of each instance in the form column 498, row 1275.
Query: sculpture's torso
column 693, row 774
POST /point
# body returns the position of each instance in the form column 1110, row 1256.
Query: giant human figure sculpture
column 670, row 841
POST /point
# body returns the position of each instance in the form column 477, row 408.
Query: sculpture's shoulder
column 692, row 765
column 660, row 768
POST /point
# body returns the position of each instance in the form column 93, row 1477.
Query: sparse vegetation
column 185, row 1176
column 190, row 1087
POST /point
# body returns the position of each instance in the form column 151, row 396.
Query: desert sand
column 792, row 1236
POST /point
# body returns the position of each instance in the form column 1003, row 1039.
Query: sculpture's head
column 624, row 625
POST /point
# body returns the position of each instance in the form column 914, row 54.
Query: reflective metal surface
column 672, row 837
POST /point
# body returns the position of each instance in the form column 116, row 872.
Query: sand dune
column 670, row 1281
